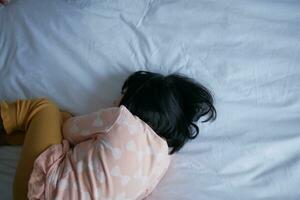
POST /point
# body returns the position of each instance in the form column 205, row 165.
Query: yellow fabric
column 36, row 124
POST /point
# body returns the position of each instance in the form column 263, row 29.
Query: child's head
column 170, row 105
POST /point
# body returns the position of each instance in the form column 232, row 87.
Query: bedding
column 246, row 52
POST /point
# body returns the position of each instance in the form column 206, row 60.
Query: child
column 4, row 2
column 115, row 153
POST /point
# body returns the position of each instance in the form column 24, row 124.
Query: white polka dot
column 63, row 184
column 140, row 155
column 86, row 195
column 132, row 128
column 144, row 179
column 159, row 156
column 98, row 122
column 130, row 146
column 148, row 151
column 122, row 196
column 84, row 132
column 98, row 194
column 101, row 177
column 116, row 153
column 125, row 180
column 74, row 128
column 115, row 171
column 80, row 166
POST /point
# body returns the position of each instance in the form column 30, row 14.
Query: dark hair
column 170, row 105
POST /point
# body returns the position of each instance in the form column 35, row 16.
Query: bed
column 79, row 52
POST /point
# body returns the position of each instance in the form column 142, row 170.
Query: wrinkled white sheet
column 79, row 52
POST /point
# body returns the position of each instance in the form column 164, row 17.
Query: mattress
column 79, row 52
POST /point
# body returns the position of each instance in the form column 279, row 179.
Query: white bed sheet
column 79, row 52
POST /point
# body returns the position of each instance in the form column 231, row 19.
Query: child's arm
column 81, row 128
